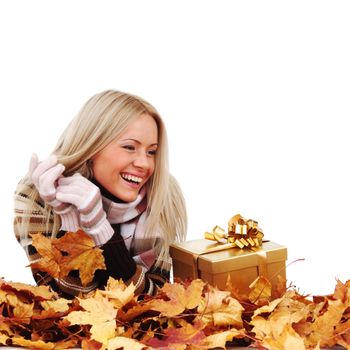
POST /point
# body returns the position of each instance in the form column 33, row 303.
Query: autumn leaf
column 100, row 314
column 29, row 291
column 219, row 308
column 180, row 298
column 82, row 255
column 89, row 344
column 133, row 312
column 124, row 343
column 218, row 340
column 36, row 344
column 58, row 305
column 287, row 339
column 50, row 256
column 3, row 339
column 276, row 330
column 323, row 327
column 260, row 289
column 73, row 251
column 39, row 344
column 118, row 293
column 186, row 335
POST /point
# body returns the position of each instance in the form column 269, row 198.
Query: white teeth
column 132, row 178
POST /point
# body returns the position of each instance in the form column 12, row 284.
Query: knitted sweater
column 122, row 258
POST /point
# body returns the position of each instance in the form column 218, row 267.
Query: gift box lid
column 225, row 260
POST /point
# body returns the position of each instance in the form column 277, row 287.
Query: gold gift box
column 193, row 259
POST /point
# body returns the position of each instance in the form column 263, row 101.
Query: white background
column 255, row 96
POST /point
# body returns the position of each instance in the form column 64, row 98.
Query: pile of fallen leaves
column 183, row 315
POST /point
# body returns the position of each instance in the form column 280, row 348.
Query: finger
column 47, row 181
column 78, row 181
column 42, row 167
column 33, row 164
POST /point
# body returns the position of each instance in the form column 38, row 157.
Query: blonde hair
column 103, row 118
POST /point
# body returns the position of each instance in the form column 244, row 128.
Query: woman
column 108, row 175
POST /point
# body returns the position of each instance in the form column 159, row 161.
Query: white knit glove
column 86, row 197
column 44, row 176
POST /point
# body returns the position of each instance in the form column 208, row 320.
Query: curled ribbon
column 241, row 232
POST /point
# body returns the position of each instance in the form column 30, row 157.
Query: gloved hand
column 86, row 197
column 44, row 176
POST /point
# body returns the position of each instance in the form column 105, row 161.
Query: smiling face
column 128, row 162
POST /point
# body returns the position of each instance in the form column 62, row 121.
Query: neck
column 106, row 193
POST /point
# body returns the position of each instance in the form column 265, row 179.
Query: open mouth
column 131, row 178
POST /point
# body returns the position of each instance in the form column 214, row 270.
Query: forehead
column 143, row 128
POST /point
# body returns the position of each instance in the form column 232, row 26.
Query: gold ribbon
column 242, row 233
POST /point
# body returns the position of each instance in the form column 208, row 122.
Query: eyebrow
column 137, row 141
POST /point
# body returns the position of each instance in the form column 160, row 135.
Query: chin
column 128, row 198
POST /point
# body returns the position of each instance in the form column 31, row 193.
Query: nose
column 142, row 161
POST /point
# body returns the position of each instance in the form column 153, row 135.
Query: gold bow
column 241, row 232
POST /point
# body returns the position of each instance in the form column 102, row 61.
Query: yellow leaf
column 180, row 298
column 218, row 340
column 287, row 340
column 220, row 308
column 59, row 305
column 118, row 293
column 33, row 292
column 323, row 328
column 125, row 343
column 100, row 314
column 260, row 289
column 36, row 344
column 276, row 329
column 3, row 339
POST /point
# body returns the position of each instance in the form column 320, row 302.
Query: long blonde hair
column 103, row 118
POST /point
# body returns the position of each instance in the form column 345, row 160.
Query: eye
column 129, row 147
column 152, row 152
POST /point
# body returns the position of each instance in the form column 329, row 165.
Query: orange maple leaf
column 82, row 255
column 50, row 256
column 180, row 298
column 73, row 251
